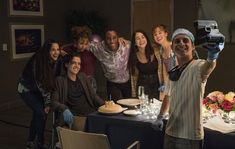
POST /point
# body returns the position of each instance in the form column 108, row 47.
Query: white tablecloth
column 217, row 123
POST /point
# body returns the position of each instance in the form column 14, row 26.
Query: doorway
column 147, row 13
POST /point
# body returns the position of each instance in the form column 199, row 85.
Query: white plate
column 131, row 112
column 131, row 102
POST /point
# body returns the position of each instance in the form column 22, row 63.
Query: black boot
column 30, row 145
column 41, row 146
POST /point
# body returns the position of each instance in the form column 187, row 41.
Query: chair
column 79, row 123
column 71, row 139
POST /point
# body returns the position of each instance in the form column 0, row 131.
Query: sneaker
column 30, row 145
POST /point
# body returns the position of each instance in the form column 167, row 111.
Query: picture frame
column 26, row 7
column 25, row 40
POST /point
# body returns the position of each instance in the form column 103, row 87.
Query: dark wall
column 223, row 77
column 55, row 27
column 118, row 13
column 185, row 12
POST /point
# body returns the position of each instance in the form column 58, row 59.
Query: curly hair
column 81, row 32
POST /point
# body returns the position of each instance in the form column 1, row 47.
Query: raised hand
column 214, row 50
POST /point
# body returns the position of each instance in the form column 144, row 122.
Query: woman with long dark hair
column 35, row 86
column 143, row 65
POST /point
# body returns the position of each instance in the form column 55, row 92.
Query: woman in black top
column 35, row 86
column 143, row 65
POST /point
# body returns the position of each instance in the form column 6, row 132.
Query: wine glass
column 140, row 92
column 231, row 116
column 141, row 97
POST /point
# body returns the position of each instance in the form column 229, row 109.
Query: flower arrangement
column 218, row 102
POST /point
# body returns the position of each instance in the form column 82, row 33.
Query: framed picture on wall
column 25, row 40
column 26, row 7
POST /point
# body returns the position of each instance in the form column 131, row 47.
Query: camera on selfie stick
column 207, row 33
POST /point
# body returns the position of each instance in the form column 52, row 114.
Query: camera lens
column 208, row 29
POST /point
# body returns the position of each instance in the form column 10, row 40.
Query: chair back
column 79, row 123
column 71, row 139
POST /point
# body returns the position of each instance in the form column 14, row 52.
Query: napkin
column 217, row 123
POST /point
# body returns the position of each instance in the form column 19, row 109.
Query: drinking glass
column 140, row 92
column 231, row 116
column 141, row 97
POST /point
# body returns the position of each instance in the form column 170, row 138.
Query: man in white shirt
column 184, row 93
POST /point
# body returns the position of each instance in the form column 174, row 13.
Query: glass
column 140, row 92
column 231, row 117
column 141, row 97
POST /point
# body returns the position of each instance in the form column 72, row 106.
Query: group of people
column 64, row 80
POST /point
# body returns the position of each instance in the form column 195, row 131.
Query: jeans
column 35, row 101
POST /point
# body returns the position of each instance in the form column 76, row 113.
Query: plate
column 131, row 102
column 131, row 112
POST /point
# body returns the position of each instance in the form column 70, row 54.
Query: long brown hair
column 133, row 58
column 43, row 66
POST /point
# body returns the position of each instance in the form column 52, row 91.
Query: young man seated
column 73, row 95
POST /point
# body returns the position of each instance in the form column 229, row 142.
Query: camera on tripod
column 207, row 32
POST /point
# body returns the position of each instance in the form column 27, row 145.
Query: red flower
column 206, row 100
column 227, row 106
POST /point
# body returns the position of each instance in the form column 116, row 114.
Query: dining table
column 123, row 130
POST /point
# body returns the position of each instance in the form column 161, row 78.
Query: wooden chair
column 79, row 123
column 71, row 139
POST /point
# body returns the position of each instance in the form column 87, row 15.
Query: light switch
column 4, row 47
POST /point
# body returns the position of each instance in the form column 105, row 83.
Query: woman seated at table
column 73, row 94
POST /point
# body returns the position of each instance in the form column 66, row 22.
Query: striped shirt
column 185, row 97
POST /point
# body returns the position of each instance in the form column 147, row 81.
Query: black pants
column 37, row 125
column 118, row 90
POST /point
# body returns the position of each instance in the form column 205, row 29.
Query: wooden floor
column 14, row 129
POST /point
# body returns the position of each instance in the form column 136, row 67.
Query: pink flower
column 216, row 96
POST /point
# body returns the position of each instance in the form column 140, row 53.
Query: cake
column 110, row 107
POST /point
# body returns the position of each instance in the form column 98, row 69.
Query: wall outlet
column 4, row 47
